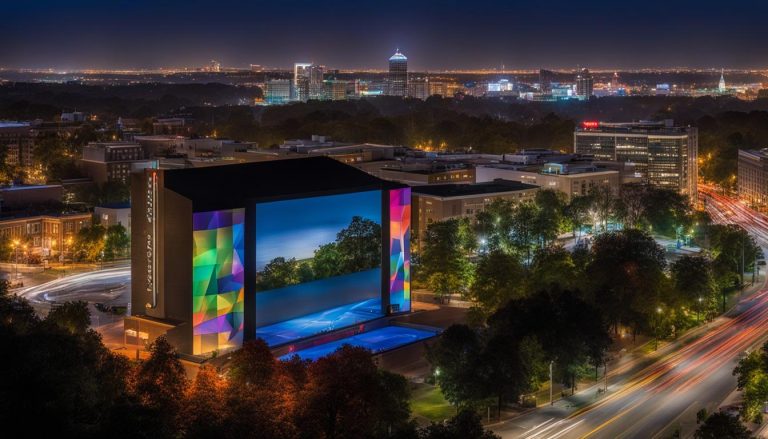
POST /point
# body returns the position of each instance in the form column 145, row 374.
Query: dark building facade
column 274, row 250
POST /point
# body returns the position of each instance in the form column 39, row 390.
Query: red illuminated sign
column 590, row 124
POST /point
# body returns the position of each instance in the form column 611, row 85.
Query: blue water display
column 323, row 321
column 378, row 340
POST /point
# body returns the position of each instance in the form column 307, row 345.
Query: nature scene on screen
column 316, row 238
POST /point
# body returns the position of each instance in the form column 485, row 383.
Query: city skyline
column 488, row 34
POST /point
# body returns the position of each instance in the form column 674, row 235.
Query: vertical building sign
column 399, row 250
column 151, row 237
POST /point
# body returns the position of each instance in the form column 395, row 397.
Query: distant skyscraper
column 316, row 77
column 398, row 74
column 721, row 85
column 278, row 91
column 546, row 78
column 301, row 74
column 214, row 66
column 615, row 81
column 584, row 84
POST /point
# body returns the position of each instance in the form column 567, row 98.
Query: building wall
column 753, row 178
column 571, row 185
column 428, row 209
column 44, row 235
column 664, row 160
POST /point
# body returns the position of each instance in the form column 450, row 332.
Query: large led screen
column 399, row 246
column 217, row 280
column 318, row 264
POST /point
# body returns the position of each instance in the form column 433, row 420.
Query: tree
column 455, row 359
column 327, row 261
column 465, row 425
column 525, row 232
column 553, row 265
column 550, row 218
column 278, row 273
column 72, row 316
column 722, row 426
column 494, row 226
column 117, row 242
column 752, row 379
column 498, row 278
column 444, row 263
column 694, row 282
column 160, row 383
column 253, row 365
column 626, row 277
column 359, row 245
column 346, row 397
column 203, row 414
column 89, row 243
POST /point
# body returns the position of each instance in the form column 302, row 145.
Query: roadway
column 109, row 286
column 652, row 396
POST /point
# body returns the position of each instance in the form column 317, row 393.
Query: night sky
column 362, row 34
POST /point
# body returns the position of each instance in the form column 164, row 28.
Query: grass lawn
column 427, row 401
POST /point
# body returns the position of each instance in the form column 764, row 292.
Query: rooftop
column 398, row 56
column 463, row 190
column 230, row 186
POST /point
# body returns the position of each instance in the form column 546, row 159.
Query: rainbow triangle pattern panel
column 217, row 280
column 399, row 249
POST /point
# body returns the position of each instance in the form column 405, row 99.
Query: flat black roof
column 462, row 190
column 231, row 186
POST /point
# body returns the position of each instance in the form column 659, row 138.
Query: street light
column 15, row 246
column 656, row 329
column 698, row 310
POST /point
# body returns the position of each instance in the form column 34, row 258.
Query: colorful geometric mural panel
column 399, row 249
column 217, row 280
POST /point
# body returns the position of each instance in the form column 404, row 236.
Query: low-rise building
column 113, row 161
column 18, row 197
column 109, row 215
column 753, row 177
column 440, row 202
column 45, row 235
column 435, row 173
column 572, row 179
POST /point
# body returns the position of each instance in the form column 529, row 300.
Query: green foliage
column 498, row 278
column 465, row 425
column 357, row 248
column 752, row 379
column 626, row 275
column 722, row 426
column 444, row 264
column 553, row 266
column 89, row 243
column 72, row 316
column 456, row 358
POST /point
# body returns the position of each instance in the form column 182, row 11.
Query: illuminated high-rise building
column 662, row 154
column 316, row 77
column 584, row 84
column 721, row 84
column 398, row 74
column 301, row 74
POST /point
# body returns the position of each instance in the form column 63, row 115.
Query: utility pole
column 551, row 384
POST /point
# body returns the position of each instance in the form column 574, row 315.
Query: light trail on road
column 647, row 400
column 108, row 286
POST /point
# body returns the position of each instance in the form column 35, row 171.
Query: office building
column 440, row 202
column 301, row 77
column 663, row 155
column 19, row 140
column 753, row 177
column 113, row 161
column 572, row 179
column 316, row 84
column 585, row 84
column 398, row 74
column 278, row 91
column 207, row 244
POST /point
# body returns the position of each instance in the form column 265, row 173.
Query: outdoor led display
column 399, row 257
column 318, row 264
column 217, row 280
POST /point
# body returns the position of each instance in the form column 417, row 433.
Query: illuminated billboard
column 399, row 257
column 217, row 280
column 318, row 264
